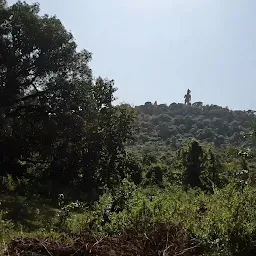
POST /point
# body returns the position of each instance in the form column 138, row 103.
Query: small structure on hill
column 187, row 98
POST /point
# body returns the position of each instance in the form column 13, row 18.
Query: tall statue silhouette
column 187, row 98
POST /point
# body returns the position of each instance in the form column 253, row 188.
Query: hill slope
column 176, row 123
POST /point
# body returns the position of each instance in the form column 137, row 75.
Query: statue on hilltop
column 187, row 98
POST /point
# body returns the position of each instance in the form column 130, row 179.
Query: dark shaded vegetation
column 58, row 126
column 80, row 175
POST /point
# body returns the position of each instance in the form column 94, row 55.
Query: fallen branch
column 186, row 250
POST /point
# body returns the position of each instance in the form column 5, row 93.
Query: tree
column 154, row 175
column 201, row 167
column 133, row 168
column 198, row 104
column 192, row 161
column 2, row 3
column 54, row 116
column 211, row 173
column 38, row 61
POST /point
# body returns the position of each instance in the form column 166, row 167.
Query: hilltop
column 176, row 123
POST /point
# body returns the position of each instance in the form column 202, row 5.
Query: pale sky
column 157, row 49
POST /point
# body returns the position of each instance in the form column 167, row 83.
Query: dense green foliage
column 58, row 126
column 73, row 163
column 177, row 123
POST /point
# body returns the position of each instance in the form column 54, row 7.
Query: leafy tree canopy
column 55, row 118
column 176, row 124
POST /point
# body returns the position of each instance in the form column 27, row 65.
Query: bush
column 6, row 230
column 224, row 222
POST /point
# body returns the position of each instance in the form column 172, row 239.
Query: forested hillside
column 177, row 123
column 82, row 176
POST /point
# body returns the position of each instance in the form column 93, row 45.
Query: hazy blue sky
column 156, row 49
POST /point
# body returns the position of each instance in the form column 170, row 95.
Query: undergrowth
column 223, row 223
